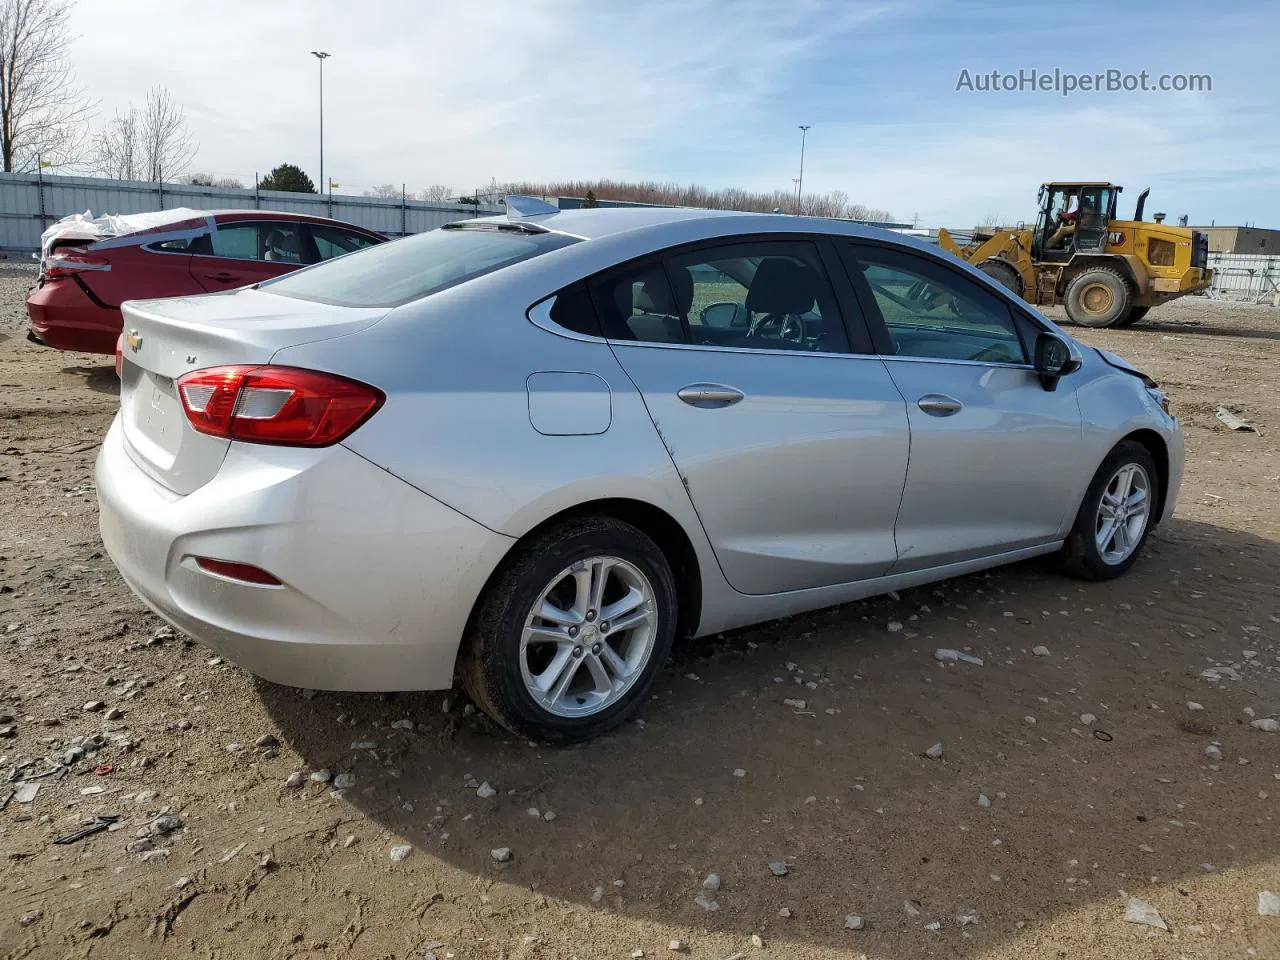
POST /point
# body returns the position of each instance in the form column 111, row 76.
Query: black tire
column 489, row 663
column 1135, row 314
column 1099, row 297
column 1004, row 273
column 1080, row 554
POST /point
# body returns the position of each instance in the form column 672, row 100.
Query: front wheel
column 1135, row 314
column 570, row 633
column 1116, row 516
column 1099, row 297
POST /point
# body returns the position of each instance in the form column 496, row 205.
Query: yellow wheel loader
column 1106, row 272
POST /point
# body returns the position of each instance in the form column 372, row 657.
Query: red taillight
column 119, row 355
column 278, row 405
column 68, row 261
column 237, row 571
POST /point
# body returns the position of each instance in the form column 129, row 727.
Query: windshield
column 390, row 274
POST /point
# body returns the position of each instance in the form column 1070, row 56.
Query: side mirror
column 1054, row 359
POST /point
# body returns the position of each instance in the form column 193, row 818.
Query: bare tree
column 43, row 113
column 118, row 147
column 386, row 191
column 437, row 192
column 166, row 141
column 990, row 223
column 150, row 143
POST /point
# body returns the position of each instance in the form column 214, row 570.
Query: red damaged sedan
column 89, row 266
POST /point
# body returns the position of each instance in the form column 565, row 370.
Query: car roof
column 600, row 222
column 231, row 215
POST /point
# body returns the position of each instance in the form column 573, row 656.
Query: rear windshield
column 390, row 274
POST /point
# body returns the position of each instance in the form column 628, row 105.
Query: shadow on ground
column 847, row 798
column 98, row 379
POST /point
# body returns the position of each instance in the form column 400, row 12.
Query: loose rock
column 400, row 852
column 677, row 946
column 115, row 713
column 934, row 752
column 321, row 776
column 779, row 869
column 984, row 800
column 1040, row 651
column 1193, row 706
column 739, row 772
column 93, row 706
column 757, row 941
column 484, row 791
column 1213, row 752
column 706, row 896
column 501, row 854
column 344, row 781
column 295, row 780
column 266, row 740
column 1088, row 719
column 1266, row 725
column 854, row 921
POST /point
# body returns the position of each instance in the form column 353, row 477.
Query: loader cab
column 1073, row 218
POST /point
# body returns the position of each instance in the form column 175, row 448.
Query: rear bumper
column 378, row 579
column 63, row 316
column 1193, row 279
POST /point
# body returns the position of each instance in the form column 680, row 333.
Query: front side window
column 390, row 274
column 332, row 242
column 932, row 311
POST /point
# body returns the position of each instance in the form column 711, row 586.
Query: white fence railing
column 1250, row 277
column 30, row 202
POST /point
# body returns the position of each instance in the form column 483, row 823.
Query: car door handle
column 709, row 395
column 939, row 404
column 223, row 277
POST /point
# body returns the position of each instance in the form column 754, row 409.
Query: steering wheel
column 789, row 326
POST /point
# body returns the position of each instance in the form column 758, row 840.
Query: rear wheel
column 1116, row 515
column 570, row 633
column 1003, row 272
column 1099, row 297
column 1135, row 314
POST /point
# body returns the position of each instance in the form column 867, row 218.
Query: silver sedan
column 531, row 452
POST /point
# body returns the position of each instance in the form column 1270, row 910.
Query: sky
column 713, row 92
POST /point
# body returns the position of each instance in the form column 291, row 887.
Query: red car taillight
column 277, row 405
column 69, row 261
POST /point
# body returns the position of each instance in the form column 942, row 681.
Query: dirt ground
column 1039, row 823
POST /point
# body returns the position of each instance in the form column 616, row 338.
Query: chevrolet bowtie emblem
column 134, row 340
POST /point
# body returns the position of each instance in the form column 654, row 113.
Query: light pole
column 322, row 56
column 804, row 132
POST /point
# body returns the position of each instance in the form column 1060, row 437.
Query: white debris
column 226, row 857
column 1139, row 911
column 933, row 927
column 501, row 854
column 984, row 800
column 797, row 704
column 912, row 907
column 1041, row 651
column 1193, row 706
column 757, row 941
column 1266, row 725
column 947, row 655
column 1088, row 719
column 400, row 852
column 894, row 626
column 484, row 791
column 934, row 752
column 597, row 894
column 26, row 792
column 778, row 868
column 968, row 917
column 1268, row 904
column 677, row 946
column 854, row 921
column 739, row 772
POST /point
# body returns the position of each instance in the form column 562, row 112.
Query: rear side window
column 389, row 274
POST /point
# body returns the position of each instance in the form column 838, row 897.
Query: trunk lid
column 164, row 339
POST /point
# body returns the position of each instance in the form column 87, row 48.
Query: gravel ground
column 258, row 821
